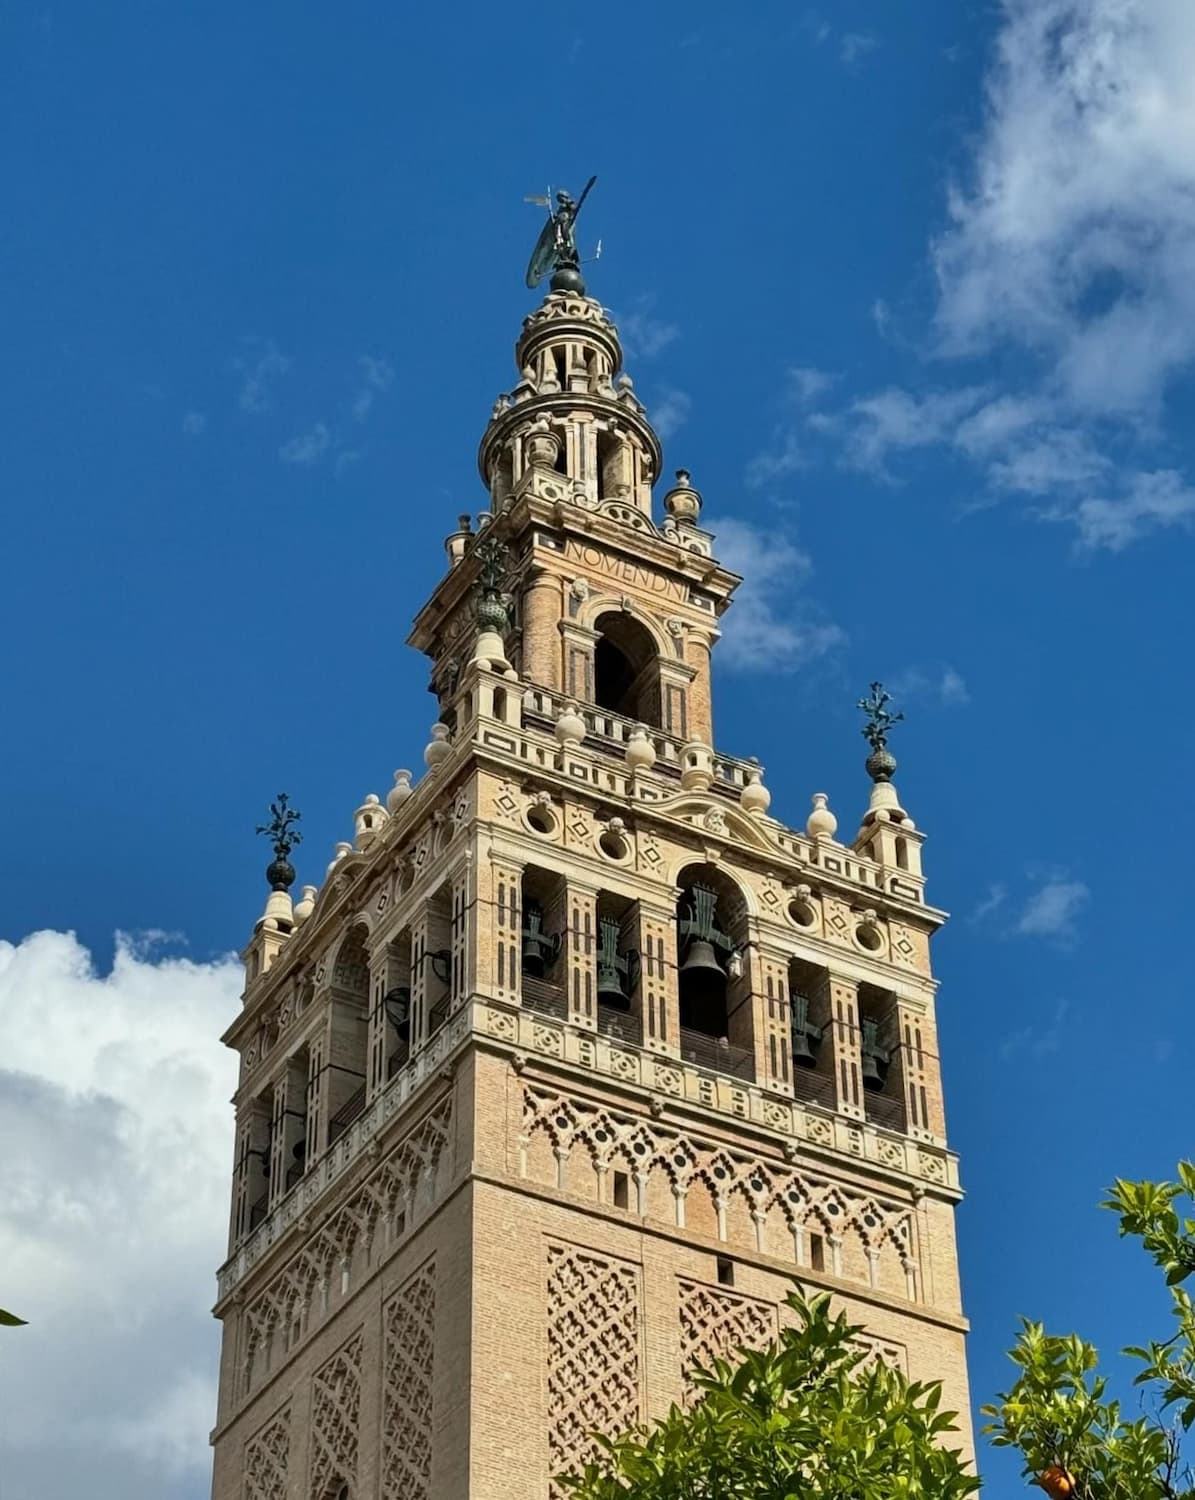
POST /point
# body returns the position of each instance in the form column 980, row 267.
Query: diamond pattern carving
column 716, row 1325
column 266, row 1456
column 335, row 1420
column 593, row 1355
column 410, row 1320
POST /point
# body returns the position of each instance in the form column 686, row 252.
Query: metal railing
column 883, row 1110
column 717, row 1054
column 619, row 1025
column 346, row 1114
column 812, row 1087
column 544, row 996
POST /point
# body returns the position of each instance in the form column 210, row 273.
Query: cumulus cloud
column 1051, row 910
column 114, row 1183
column 376, row 377
column 941, row 684
column 771, row 627
column 643, row 335
column 260, row 366
column 1076, row 233
column 670, row 412
column 1068, row 256
column 856, row 45
column 308, row 448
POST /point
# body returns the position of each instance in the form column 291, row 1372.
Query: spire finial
column 556, row 248
column 283, row 836
column 881, row 763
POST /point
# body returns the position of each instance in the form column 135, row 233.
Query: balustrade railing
column 610, row 732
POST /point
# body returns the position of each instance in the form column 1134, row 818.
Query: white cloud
column 940, row 684
column 644, row 336
column 194, row 423
column 260, row 367
column 896, row 420
column 670, row 413
column 376, row 377
column 807, row 383
column 1051, row 910
column 1069, row 245
column 855, row 45
column 308, row 448
column 1149, row 501
column 996, row 896
column 769, row 627
column 1039, row 1041
column 785, row 457
column 114, row 1182
column 1076, row 235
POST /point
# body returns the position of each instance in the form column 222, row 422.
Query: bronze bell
column 875, row 1059
column 701, row 956
column 539, row 948
column 802, row 1052
column 613, row 970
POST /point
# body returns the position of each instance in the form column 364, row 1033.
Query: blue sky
column 911, row 292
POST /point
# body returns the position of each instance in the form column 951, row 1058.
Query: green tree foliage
column 800, row 1421
column 10, row 1320
column 1074, row 1440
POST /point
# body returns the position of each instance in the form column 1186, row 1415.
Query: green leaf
column 10, row 1320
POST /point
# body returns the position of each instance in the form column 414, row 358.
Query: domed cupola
column 573, row 421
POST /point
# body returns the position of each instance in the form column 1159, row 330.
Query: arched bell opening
column 616, row 968
column 880, row 1058
column 436, row 959
column 348, row 1031
column 541, row 940
column 254, row 1150
column 810, row 1045
column 714, row 987
column 393, row 1016
column 626, row 669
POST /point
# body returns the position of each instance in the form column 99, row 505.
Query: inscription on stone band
column 627, row 572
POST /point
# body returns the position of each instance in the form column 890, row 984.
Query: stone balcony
column 808, row 1125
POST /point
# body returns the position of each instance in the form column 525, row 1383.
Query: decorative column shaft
column 844, row 1040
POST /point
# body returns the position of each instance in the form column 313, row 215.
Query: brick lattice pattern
column 593, row 1355
column 266, row 1457
column 410, row 1321
column 716, row 1325
column 336, row 1421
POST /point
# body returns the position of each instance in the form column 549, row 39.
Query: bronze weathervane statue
column 556, row 248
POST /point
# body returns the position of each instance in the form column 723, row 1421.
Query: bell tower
column 577, row 1057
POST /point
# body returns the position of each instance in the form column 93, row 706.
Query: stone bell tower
column 577, row 1058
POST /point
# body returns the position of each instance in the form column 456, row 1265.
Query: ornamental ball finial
column 881, row 763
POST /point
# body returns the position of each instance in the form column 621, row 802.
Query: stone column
column 844, row 1037
column 580, row 954
column 700, row 703
column 579, row 643
column 659, row 996
column 499, row 922
column 542, row 612
column 918, row 1075
column 769, row 981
